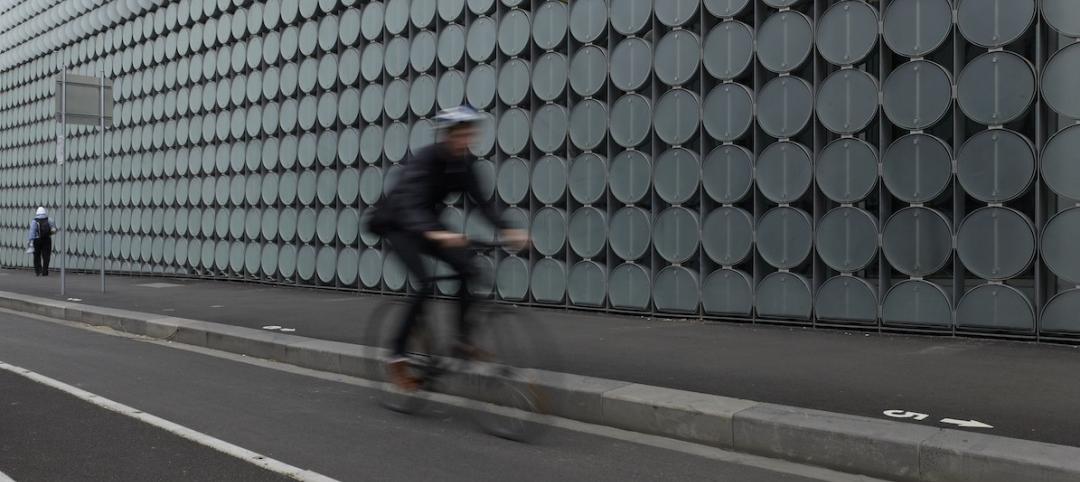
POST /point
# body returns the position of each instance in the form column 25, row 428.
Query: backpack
column 44, row 229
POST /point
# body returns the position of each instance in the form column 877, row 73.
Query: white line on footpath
column 4, row 478
column 187, row 433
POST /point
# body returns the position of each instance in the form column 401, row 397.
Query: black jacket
column 415, row 203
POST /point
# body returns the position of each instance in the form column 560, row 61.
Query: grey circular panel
column 587, row 284
column 1059, row 314
column 677, row 57
column 917, row 241
column 917, row 302
column 451, row 10
column 588, row 232
column 550, row 25
column 371, row 62
column 784, row 172
column 630, row 233
column 676, row 234
column 784, row 295
column 917, row 95
column 512, row 278
column 631, row 118
column 848, row 32
column 588, row 19
column 728, row 235
column 1059, row 167
column 917, row 168
column 1062, row 16
column 513, row 181
column 372, row 20
column 848, row 101
column 784, row 41
column 451, row 47
column 1059, row 81
column 727, row 292
column 513, row 135
column 396, row 99
column 846, row 298
column 729, row 112
column 677, row 175
column 629, row 287
column 514, row 81
column 396, row 59
column 548, row 283
column 371, row 143
column 914, row 28
column 998, row 165
column 588, row 124
column 588, row 178
column 678, row 116
column 550, row 76
column 514, row 30
column 847, row 239
column 1007, row 23
column 996, row 88
column 784, row 237
column 480, row 88
column 482, row 36
column 549, row 179
column 481, row 7
column 396, row 141
column 785, row 106
column 729, row 49
column 728, row 173
column 676, row 290
column 631, row 172
column 676, row 12
column 630, row 16
column 451, row 91
column 589, row 70
column 371, row 268
column 630, row 67
column 549, row 231
column 847, row 170
column 996, row 307
column 423, row 50
column 726, row 8
column 1059, row 244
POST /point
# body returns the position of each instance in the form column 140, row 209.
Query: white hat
column 41, row 211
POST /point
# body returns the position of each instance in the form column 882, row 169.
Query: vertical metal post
column 63, row 177
column 101, row 183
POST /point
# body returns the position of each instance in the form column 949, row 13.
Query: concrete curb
column 853, row 444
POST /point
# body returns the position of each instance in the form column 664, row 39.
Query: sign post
column 81, row 100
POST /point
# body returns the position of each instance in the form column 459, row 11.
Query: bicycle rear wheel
column 503, row 374
column 382, row 328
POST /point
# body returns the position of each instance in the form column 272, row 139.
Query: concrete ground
column 1023, row 390
column 323, row 424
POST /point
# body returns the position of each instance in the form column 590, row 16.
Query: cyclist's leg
column 461, row 261
column 410, row 248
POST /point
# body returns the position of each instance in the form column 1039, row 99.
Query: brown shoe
column 400, row 376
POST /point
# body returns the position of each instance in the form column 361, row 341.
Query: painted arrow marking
column 966, row 423
column 906, row 414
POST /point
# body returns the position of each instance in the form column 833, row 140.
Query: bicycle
column 506, row 340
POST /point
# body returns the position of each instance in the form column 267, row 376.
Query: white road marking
column 217, row 306
column 288, row 330
column 187, row 433
column 74, row 299
column 906, row 414
column 272, row 327
column 4, row 478
column 966, row 423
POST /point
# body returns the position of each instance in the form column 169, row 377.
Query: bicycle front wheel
column 382, row 329
column 508, row 400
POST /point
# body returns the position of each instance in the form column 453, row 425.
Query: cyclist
column 408, row 217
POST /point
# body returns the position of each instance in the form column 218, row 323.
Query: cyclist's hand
column 447, row 239
column 516, row 239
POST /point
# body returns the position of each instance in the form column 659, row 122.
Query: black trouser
column 411, row 248
column 42, row 255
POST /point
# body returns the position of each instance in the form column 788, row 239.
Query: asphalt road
column 330, row 427
column 1023, row 390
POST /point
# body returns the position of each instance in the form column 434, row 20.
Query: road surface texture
column 1024, row 390
column 329, row 427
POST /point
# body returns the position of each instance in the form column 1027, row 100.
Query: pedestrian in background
column 41, row 231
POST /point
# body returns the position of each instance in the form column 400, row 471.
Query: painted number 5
column 906, row 414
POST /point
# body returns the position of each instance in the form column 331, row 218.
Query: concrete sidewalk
column 792, row 394
column 1023, row 390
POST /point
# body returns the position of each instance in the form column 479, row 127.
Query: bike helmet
column 457, row 116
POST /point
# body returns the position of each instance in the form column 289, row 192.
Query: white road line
column 187, row 433
column 4, row 478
